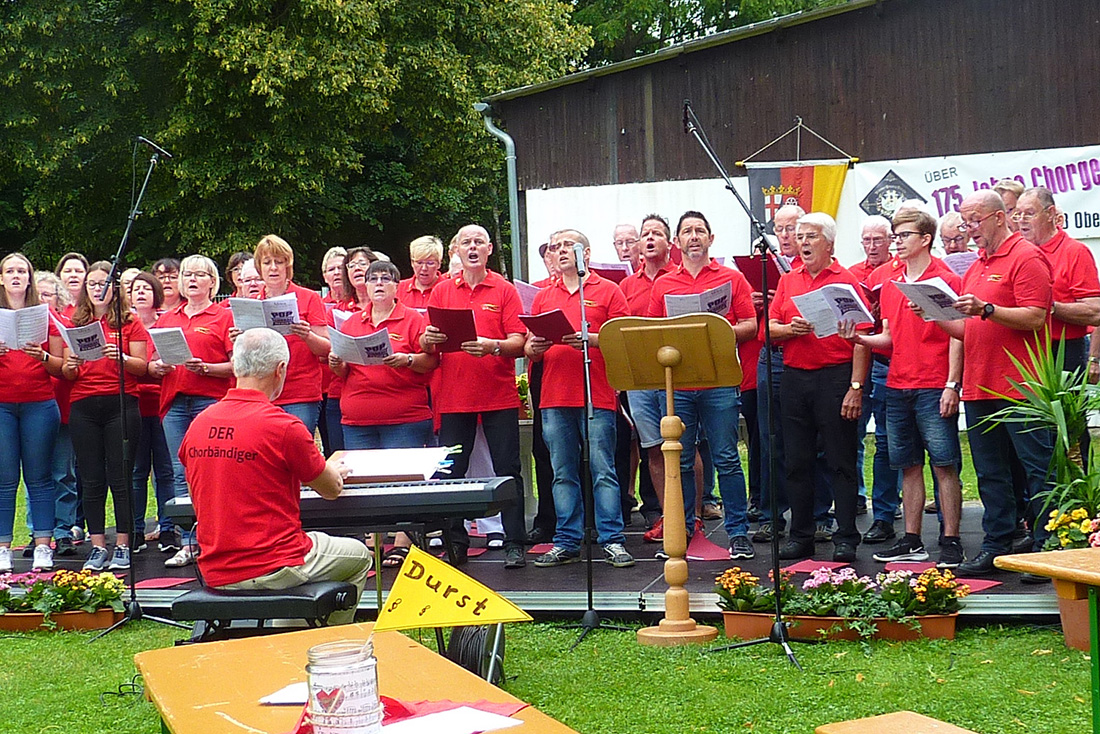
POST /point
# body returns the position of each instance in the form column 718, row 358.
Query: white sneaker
column 120, row 559
column 5, row 560
column 43, row 558
column 184, row 557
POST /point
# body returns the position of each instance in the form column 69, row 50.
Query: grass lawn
column 991, row 679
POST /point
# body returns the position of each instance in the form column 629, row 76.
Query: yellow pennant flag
column 431, row 593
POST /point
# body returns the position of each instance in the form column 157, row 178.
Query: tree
column 623, row 29
column 326, row 121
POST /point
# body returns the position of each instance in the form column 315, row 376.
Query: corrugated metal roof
column 698, row 44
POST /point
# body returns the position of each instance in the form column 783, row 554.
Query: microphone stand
column 591, row 619
column 760, row 244
column 133, row 612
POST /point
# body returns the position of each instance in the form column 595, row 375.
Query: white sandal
column 184, row 557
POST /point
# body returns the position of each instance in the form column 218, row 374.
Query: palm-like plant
column 1058, row 400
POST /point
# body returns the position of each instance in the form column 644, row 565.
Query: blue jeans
column 27, row 434
column 715, row 410
column 184, row 409
column 771, row 370
column 915, row 423
column 307, row 413
column 152, row 455
column 885, row 482
column 334, row 430
column 563, row 429
column 991, row 446
column 63, row 473
column 399, row 436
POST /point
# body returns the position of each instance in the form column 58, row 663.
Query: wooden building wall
column 898, row 79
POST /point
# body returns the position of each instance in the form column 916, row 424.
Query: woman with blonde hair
column 190, row 388
column 96, row 418
column 28, row 418
column 308, row 339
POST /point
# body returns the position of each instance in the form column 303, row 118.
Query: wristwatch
column 987, row 311
column 496, row 350
column 956, row 386
column 856, row 385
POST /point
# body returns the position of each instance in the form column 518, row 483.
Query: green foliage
column 624, row 29
column 63, row 591
column 326, row 121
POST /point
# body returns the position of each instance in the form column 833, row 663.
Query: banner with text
column 1072, row 174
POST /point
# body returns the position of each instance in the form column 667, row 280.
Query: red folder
column 456, row 323
column 552, row 325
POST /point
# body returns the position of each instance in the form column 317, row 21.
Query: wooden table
column 216, row 686
column 1076, row 575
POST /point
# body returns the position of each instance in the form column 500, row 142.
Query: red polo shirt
column 861, row 271
column 563, row 371
column 23, row 377
column 681, row 282
column 303, row 374
column 1016, row 275
column 469, row 384
column 413, row 297
column 921, row 349
column 1074, row 271
column 62, row 388
column 889, row 270
column 638, row 286
column 207, row 334
column 245, row 462
column 808, row 352
column 377, row 395
column 100, row 377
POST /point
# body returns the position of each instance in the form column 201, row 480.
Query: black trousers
column 811, row 402
column 502, row 434
column 95, row 424
column 546, row 516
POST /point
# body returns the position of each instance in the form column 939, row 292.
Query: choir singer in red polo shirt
column 246, row 460
column 478, row 382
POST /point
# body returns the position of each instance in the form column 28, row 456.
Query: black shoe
column 170, row 542
column 138, row 543
column 64, row 547
column 539, row 535
column 753, row 514
column 513, row 556
column 903, row 550
column 1023, row 543
column 951, row 554
column 651, row 518
column 764, row 533
column 880, row 532
column 980, row 565
column 28, row 551
column 462, row 555
column 792, row 551
column 1033, row 579
column 844, row 553
column 861, row 506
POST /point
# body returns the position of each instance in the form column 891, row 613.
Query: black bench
column 213, row 610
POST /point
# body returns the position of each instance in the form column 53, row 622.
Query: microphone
column 156, row 148
column 578, row 252
column 687, row 124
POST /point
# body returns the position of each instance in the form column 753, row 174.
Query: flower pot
column 1075, row 622
column 31, row 621
column 930, row 627
column 751, row 625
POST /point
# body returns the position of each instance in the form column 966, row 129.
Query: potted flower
column 523, row 389
column 840, row 604
column 60, row 600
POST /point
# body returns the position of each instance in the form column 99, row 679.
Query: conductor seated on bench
column 245, row 461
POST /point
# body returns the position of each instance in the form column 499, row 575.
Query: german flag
column 813, row 185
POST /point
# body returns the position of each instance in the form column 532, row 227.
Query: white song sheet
column 716, row 300
column 22, row 326
column 934, row 296
column 171, row 345
column 277, row 313
column 826, row 307
column 365, row 350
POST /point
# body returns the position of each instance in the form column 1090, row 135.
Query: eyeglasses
column 899, row 236
column 195, row 274
column 255, row 279
column 358, row 265
column 967, row 226
column 1019, row 216
column 96, row 285
column 384, row 279
column 624, row 243
column 555, row 246
column 875, row 240
column 167, row 275
column 789, row 229
column 47, row 294
column 953, row 240
column 332, row 269
column 425, row 263
column 811, row 236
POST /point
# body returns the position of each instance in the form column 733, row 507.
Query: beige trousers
column 330, row 559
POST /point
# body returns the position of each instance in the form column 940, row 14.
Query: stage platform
column 629, row 591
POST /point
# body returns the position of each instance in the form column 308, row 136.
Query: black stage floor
column 626, row 591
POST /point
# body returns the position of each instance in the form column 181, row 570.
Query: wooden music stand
column 696, row 350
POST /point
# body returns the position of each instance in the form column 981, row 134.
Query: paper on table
column 365, row 350
column 22, row 326
column 552, row 325
column 296, row 694
column 716, row 300
column 934, row 296
column 277, row 313
column 527, row 293
column 825, row 307
column 456, row 323
column 86, row 342
column 462, row 720
column 171, row 345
